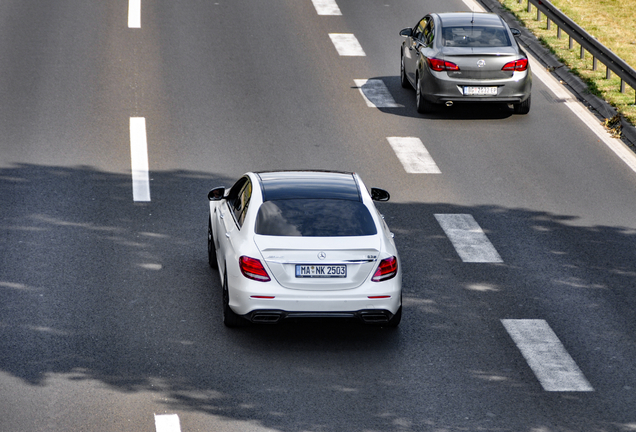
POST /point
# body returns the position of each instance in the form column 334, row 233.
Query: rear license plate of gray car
column 480, row 91
column 322, row 270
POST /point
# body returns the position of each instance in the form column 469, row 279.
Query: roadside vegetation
column 612, row 22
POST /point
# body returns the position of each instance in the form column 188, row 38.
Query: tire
column 230, row 319
column 403, row 79
column 211, row 248
column 423, row 106
column 523, row 107
column 395, row 320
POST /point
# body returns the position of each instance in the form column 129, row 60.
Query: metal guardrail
column 587, row 42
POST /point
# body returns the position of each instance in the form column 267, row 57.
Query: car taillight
column 386, row 270
column 517, row 65
column 253, row 269
column 441, row 65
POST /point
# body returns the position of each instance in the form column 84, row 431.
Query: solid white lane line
column 346, row 44
column 139, row 159
column 134, row 13
column 326, row 7
column 376, row 94
column 468, row 238
column 616, row 145
column 413, row 155
column 546, row 356
column 167, row 423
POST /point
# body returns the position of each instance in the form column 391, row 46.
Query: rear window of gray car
column 314, row 218
column 475, row 37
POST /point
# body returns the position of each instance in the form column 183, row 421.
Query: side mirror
column 216, row 194
column 515, row 32
column 407, row 32
column 379, row 194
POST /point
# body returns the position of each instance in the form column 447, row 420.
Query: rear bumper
column 273, row 316
column 439, row 88
column 248, row 296
column 480, row 100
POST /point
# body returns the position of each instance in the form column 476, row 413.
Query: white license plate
column 322, row 270
column 472, row 91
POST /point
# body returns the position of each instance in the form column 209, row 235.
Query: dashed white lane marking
column 468, row 238
column 546, row 356
column 376, row 94
column 139, row 159
column 167, row 423
column 474, row 6
column 413, row 155
column 617, row 146
column 346, row 44
column 134, row 13
column 326, row 7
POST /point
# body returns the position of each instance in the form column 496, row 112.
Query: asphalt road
column 110, row 317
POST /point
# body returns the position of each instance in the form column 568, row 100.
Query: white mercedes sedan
column 303, row 244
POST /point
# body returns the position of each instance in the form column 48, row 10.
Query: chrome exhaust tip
column 266, row 318
column 449, row 103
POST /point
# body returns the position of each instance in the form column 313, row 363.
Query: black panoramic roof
column 284, row 185
column 452, row 19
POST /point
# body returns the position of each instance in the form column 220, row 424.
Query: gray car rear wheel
column 523, row 107
column 423, row 106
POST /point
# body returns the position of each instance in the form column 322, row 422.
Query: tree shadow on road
column 96, row 287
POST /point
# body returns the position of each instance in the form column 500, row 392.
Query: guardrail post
column 538, row 15
column 594, row 63
column 547, row 26
column 571, row 44
column 622, row 86
column 529, row 6
column 608, row 72
column 582, row 52
column 558, row 32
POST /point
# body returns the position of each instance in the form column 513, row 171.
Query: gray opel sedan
column 460, row 57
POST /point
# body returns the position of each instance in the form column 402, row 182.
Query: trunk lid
column 282, row 255
column 480, row 63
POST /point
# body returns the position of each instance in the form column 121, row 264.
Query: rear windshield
column 475, row 36
column 314, row 218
